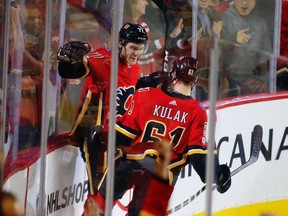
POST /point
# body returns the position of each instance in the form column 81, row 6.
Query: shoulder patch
column 202, row 107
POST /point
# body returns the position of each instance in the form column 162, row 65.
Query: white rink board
column 66, row 173
column 261, row 182
column 266, row 180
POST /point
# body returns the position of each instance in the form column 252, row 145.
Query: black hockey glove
column 96, row 134
column 73, row 51
column 153, row 79
column 224, row 179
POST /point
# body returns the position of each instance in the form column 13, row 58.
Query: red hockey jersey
column 157, row 114
column 157, row 198
column 96, row 90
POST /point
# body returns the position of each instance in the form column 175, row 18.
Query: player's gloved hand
column 161, row 77
column 153, row 79
column 224, row 179
column 73, row 51
column 95, row 135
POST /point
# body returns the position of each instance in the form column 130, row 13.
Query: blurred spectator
column 81, row 24
column 220, row 6
column 209, row 26
column 26, row 75
column 31, row 82
column 134, row 13
column 248, row 69
column 25, row 106
column 207, row 20
column 100, row 9
column 9, row 205
column 133, row 10
column 16, row 52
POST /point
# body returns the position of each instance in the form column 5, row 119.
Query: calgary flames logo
column 123, row 98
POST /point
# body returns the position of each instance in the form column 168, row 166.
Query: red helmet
column 185, row 69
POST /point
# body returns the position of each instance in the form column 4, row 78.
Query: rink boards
column 261, row 187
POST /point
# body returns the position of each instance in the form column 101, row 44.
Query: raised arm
column 71, row 61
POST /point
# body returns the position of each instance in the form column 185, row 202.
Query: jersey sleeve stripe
column 85, row 63
column 182, row 160
column 100, row 108
column 83, row 110
column 142, row 155
column 89, row 170
column 125, row 132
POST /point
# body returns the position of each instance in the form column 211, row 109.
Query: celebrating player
column 156, row 114
column 91, row 127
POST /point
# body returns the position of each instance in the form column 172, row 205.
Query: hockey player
column 94, row 106
column 156, row 114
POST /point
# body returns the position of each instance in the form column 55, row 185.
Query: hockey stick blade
column 256, row 143
column 255, row 149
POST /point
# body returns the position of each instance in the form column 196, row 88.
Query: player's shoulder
column 101, row 54
column 196, row 105
column 201, row 106
column 200, row 110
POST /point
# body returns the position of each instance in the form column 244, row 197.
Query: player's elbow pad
column 69, row 70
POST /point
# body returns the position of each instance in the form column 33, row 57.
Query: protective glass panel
column 2, row 77
column 239, row 108
column 2, row 20
column 89, row 23
column 24, row 101
column 22, row 172
column 237, row 145
column 78, row 106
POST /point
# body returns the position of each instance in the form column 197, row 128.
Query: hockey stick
column 254, row 154
column 102, row 179
column 255, row 149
